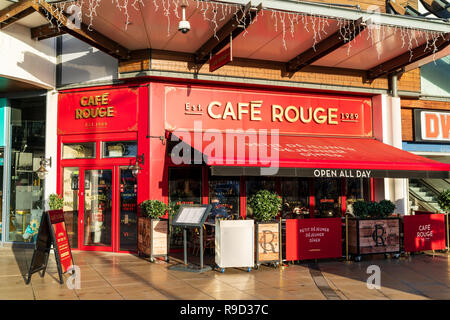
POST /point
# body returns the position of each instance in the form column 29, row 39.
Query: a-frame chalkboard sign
column 52, row 231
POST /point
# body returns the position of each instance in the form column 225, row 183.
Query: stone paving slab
column 113, row 276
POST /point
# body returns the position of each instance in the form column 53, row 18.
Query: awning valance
column 236, row 154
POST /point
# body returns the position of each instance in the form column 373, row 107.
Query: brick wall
column 244, row 68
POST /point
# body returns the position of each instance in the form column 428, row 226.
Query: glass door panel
column 98, row 208
column 127, row 211
column 71, row 207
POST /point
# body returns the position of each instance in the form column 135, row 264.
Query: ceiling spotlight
column 184, row 26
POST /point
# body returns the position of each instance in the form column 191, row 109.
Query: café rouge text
column 252, row 110
column 95, row 107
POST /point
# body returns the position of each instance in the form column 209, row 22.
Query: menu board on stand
column 191, row 216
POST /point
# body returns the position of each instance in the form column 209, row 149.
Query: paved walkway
column 109, row 276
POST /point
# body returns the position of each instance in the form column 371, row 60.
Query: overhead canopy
column 297, row 34
column 239, row 154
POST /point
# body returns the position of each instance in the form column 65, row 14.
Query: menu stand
column 191, row 216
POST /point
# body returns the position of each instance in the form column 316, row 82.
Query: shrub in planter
column 377, row 234
column 152, row 232
column 386, row 208
column 372, row 209
column 360, row 209
column 444, row 200
column 55, row 202
column 265, row 205
column 154, row 209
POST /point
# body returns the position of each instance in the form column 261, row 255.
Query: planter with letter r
column 267, row 243
column 373, row 236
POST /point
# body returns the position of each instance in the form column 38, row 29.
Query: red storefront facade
column 323, row 164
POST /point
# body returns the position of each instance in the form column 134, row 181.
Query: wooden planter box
column 267, row 242
column 153, row 238
column 372, row 236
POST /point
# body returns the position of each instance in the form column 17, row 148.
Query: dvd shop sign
column 432, row 125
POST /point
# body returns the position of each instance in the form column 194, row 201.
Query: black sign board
column 191, row 215
column 45, row 240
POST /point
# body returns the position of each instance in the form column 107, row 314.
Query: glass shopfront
column 295, row 193
column 301, row 197
column 185, row 185
column 27, row 132
column 224, row 196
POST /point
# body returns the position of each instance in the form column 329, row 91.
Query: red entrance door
column 101, row 208
column 98, row 209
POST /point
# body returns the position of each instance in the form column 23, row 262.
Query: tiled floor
column 107, row 276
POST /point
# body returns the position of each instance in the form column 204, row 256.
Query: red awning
column 240, row 154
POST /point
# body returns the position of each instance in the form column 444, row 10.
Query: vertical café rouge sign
column 112, row 110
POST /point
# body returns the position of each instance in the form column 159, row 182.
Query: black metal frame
column 185, row 226
column 280, row 246
column 52, row 241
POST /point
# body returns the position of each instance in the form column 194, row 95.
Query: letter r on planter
column 74, row 281
column 374, row 280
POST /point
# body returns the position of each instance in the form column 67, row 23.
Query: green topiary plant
column 55, row 201
column 265, row 205
column 154, row 209
column 386, row 208
column 360, row 209
column 444, row 200
column 372, row 209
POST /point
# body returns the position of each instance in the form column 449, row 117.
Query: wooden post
column 346, row 237
column 280, row 242
column 447, row 231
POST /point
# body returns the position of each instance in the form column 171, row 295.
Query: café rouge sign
column 252, row 110
column 94, row 107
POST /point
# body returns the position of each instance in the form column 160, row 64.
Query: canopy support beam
column 326, row 46
column 408, row 57
column 235, row 26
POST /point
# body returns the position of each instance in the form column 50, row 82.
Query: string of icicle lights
column 215, row 13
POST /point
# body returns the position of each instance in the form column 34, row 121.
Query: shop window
column 224, row 197
column 327, row 197
column 295, row 193
column 119, row 149
column 356, row 190
column 254, row 184
column 71, row 207
column 78, row 150
column 27, row 148
column 128, row 210
column 185, row 185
